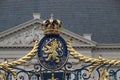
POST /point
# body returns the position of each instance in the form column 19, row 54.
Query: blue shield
column 52, row 52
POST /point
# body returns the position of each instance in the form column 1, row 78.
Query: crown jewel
column 52, row 26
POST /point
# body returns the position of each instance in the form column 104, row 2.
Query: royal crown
column 52, row 26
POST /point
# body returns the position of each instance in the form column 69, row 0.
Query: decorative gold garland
column 97, row 62
column 27, row 57
column 86, row 59
column 2, row 76
column 7, row 66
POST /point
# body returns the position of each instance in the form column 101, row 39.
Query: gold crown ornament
column 52, row 26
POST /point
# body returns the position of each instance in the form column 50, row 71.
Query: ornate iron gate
column 53, row 63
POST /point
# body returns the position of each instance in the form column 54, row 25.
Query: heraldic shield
column 52, row 52
column 53, row 55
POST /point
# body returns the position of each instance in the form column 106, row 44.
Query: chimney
column 87, row 36
column 36, row 15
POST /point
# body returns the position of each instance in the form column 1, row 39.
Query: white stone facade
column 17, row 42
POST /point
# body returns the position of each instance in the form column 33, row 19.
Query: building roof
column 100, row 18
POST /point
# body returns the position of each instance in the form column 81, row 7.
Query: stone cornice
column 108, row 46
column 17, row 46
column 100, row 46
column 78, row 37
column 19, row 27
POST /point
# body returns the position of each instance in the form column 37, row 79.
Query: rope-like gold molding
column 97, row 62
column 72, row 52
column 6, row 65
column 86, row 59
column 2, row 76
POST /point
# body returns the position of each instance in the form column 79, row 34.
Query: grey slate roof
column 101, row 18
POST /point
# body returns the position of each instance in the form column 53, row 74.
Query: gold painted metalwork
column 52, row 26
column 86, row 59
column 51, row 51
column 53, row 78
column 7, row 65
column 8, row 69
column 104, row 75
column 27, row 57
column 96, row 62
column 2, row 76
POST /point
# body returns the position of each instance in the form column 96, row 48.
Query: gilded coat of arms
column 52, row 52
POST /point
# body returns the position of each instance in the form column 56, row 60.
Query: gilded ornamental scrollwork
column 53, row 53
